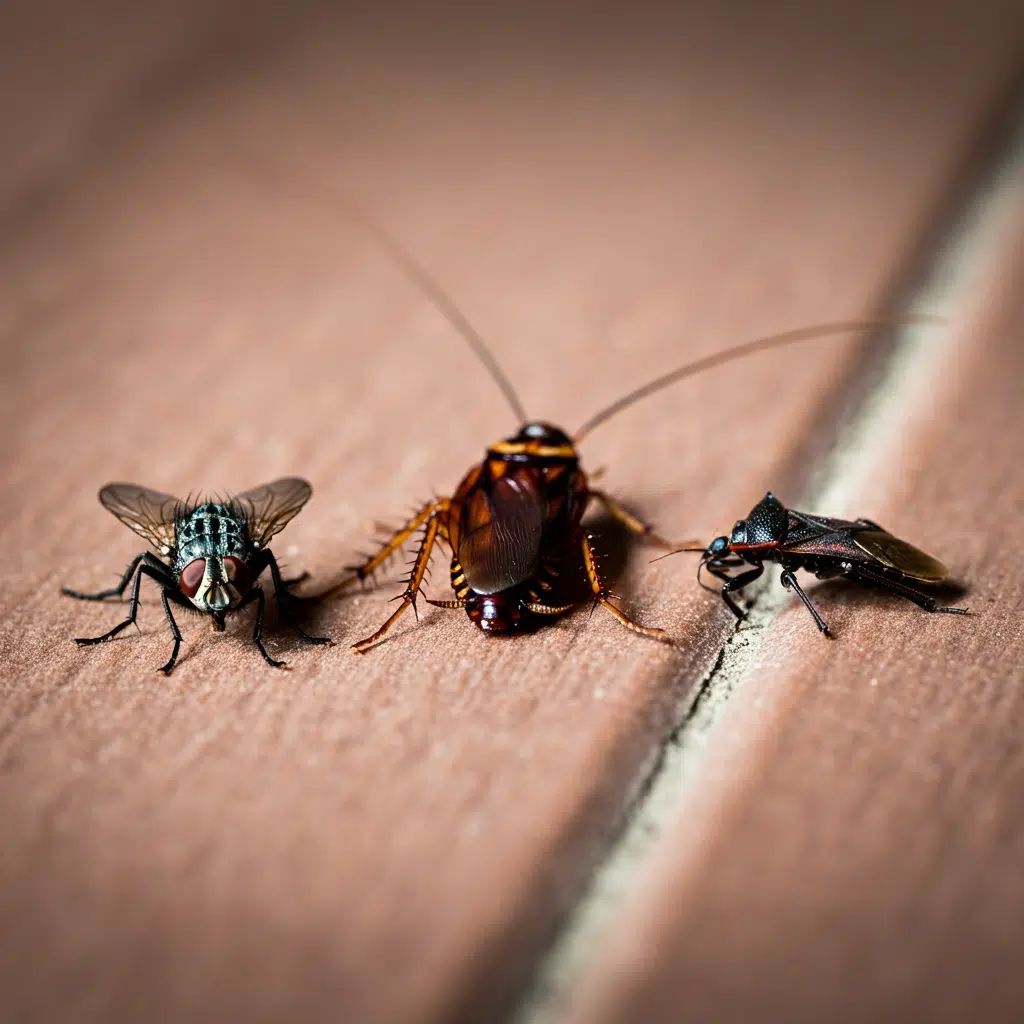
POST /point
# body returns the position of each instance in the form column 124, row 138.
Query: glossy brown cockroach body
column 515, row 522
column 858, row 550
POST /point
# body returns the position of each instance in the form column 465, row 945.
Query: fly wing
column 500, row 534
column 899, row 555
column 270, row 508
column 149, row 513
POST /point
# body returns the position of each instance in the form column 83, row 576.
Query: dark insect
column 860, row 550
column 514, row 523
column 210, row 554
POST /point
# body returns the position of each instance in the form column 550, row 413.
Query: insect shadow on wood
column 858, row 550
column 514, row 523
column 209, row 555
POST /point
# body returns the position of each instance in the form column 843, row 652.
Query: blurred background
column 606, row 190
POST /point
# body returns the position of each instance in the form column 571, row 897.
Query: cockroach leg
column 601, row 594
column 788, row 580
column 398, row 538
column 630, row 521
column 431, row 516
column 547, row 609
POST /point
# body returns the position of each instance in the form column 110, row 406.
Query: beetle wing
column 899, row 555
column 500, row 533
column 151, row 514
column 270, row 508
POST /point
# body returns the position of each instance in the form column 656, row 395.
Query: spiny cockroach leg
column 431, row 516
column 601, row 594
column 630, row 521
column 391, row 546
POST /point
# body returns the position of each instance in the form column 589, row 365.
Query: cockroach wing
column 899, row 555
column 270, row 508
column 150, row 514
column 500, row 533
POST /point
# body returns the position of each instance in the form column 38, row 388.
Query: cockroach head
column 543, row 434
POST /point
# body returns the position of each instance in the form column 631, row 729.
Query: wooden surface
column 856, row 853
column 184, row 303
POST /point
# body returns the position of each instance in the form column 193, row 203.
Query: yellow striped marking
column 564, row 451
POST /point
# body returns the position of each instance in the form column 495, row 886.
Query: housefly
column 209, row 555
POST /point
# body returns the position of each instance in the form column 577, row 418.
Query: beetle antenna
column 439, row 298
column 676, row 551
column 738, row 352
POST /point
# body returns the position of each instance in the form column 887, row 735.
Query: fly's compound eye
column 238, row 574
column 191, row 576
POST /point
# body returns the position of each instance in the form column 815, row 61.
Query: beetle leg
column 367, row 568
column 929, row 604
column 602, row 595
column 630, row 521
column 419, row 570
column 113, row 591
column 450, row 605
column 734, row 583
column 788, row 580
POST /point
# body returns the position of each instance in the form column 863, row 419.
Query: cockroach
column 514, row 522
column 858, row 550
column 210, row 555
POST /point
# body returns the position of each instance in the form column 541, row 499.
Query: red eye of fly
column 238, row 573
column 192, row 576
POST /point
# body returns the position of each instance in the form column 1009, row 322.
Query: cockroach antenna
column 438, row 297
column 728, row 355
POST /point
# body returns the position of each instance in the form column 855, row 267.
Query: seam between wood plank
column 913, row 363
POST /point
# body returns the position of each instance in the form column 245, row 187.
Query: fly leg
column 117, row 591
column 283, row 601
column 431, row 515
column 361, row 572
column 731, row 584
column 155, row 569
column 929, row 604
column 788, row 580
column 630, row 521
column 175, row 632
column 602, row 595
column 257, row 633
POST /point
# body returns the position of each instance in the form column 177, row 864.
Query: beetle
column 210, row 554
column 514, row 522
column 858, row 550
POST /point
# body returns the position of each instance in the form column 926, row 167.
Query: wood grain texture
column 393, row 837
column 856, row 852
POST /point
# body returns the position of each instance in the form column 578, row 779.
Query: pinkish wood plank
column 855, row 854
column 394, row 837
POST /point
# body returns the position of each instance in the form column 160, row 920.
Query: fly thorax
column 211, row 553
